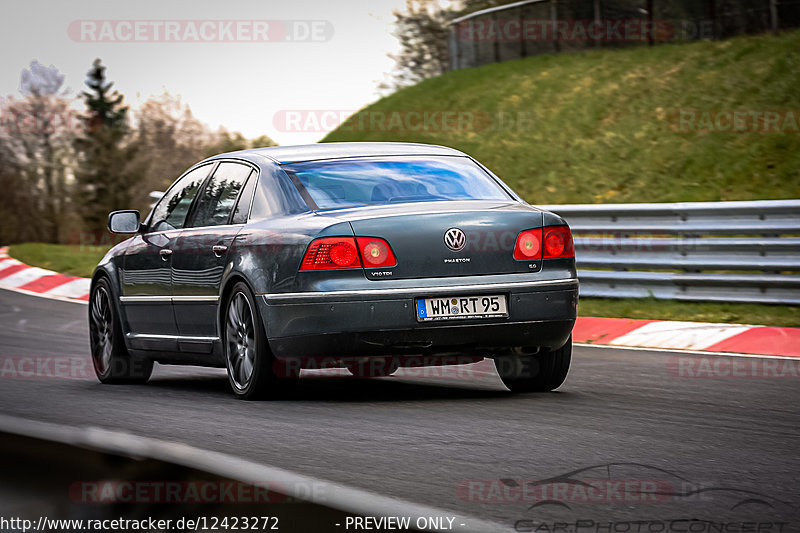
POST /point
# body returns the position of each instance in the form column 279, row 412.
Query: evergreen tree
column 104, row 179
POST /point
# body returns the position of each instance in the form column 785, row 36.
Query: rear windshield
column 373, row 181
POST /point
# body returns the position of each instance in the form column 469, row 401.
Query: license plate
column 461, row 307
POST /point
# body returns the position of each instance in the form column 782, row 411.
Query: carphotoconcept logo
column 200, row 31
column 634, row 487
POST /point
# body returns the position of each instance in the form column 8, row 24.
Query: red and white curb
column 21, row 277
column 611, row 332
column 688, row 336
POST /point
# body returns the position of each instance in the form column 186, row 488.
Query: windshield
column 372, row 181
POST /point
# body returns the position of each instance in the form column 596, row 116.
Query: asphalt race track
column 721, row 449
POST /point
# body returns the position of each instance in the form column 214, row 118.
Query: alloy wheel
column 241, row 341
column 102, row 329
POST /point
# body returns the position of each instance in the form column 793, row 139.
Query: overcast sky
column 241, row 85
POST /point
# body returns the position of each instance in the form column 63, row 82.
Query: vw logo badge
column 455, row 239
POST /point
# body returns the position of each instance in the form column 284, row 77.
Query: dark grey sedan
column 367, row 256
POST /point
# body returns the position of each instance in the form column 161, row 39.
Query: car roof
column 314, row 152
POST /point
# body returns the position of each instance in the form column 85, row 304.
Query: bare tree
column 169, row 139
column 423, row 31
column 37, row 135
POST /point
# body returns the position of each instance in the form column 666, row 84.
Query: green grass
column 74, row 260
column 766, row 315
column 600, row 124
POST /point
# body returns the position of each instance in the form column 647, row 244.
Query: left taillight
column 529, row 245
column 333, row 253
column 329, row 253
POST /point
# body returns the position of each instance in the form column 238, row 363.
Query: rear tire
column 253, row 371
column 110, row 358
column 542, row 372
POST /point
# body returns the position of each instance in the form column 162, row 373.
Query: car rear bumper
column 374, row 322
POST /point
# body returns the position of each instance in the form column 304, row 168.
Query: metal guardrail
column 698, row 251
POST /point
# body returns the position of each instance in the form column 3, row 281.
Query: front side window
column 375, row 181
column 218, row 197
column 171, row 211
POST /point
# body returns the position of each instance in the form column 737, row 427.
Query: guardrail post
column 554, row 17
column 599, row 42
column 773, row 15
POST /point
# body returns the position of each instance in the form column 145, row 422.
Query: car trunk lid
column 445, row 239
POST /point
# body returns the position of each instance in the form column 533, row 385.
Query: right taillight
column 558, row 242
column 331, row 253
column 376, row 252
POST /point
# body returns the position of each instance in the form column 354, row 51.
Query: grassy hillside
column 603, row 126
column 65, row 259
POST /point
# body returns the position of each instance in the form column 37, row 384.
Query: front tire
column 542, row 372
column 110, row 358
column 253, row 371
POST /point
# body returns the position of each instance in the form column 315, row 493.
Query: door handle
column 165, row 253
column 219, row 249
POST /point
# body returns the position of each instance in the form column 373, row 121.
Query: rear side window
column 171, row 211
column 242, row 210
column 374, row 181
column 216, row 201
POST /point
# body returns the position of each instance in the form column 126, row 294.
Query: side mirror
column 124, row 221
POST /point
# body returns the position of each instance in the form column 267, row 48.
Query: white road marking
column 24, row 276
column 679, row 335
column 73, row 289
column 8, row 263
column 684, row 352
